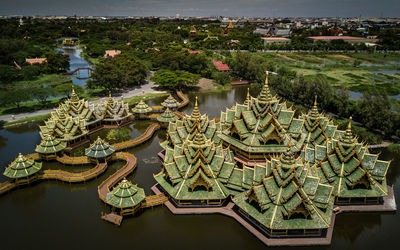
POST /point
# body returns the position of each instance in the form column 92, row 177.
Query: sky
column 238, row 8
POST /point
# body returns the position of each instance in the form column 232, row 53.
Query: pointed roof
column 141, row 108
column 347, row 138
column 50, row 145
column 291, row 189
column 125, row 195
column 22, row 167
column 248, row 97
column 170, row 102
column 195, row 113
column 314, row 111
column 74, row 97
column 167, row 116
column 99, row 149
column 265, row 95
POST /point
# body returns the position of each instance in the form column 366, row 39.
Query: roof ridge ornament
column 196, row 113
column 265, row 95
column 314, row 111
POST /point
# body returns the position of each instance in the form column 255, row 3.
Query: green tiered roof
column 348, row 165
column 125, row 195
column 183, row 129
column 22, row 167
column 194, row 164
column 292, row 189
column 141, row 108
column 64, row 128
column 99, row 149
column 262, row 126
column 167, row 116
column 70, row 120
column 112, row 110
column 170, row 102
column 317, row 127
column 50, row 145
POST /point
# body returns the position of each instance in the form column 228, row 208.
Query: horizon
column 204, row 8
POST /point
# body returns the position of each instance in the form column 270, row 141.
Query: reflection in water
column 53, row 212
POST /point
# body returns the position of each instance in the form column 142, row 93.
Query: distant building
column 32, row 61
column 221, row 66
column 349, row 39
column 274, row 31
column 111, row 53
column 269, row 40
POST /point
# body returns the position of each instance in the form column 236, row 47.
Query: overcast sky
column 261, row 8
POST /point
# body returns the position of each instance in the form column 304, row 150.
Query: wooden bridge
column 184, row 98
column 79, row 69
column 138, row 140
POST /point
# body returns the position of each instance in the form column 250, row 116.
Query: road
column 141, row 90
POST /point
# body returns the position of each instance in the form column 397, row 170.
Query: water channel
column 55, row 215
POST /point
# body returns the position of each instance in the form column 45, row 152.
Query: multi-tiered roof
column 170, row 102
column 113, row 110
column 183, row 129
column 261, row 126
column 167, row 116
column 291, row 198
column 125, row 195
column 141, row 108
column 70, row 120
column 50, row 145
column 190, row 171
column 22, row 167
column 317, row 127
column 99, row 149
column 350, row 167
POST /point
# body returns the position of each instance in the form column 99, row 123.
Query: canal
column 55, row 215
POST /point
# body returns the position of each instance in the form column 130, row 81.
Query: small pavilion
column 22, row 169
column 126, row 198
column 49, row 147
column 100, row 150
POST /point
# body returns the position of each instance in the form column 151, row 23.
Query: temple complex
column 357, row 175
column 291, row 201
column 284, row 178
column 261, row 127
column 190, row 171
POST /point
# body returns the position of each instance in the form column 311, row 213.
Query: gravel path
column 141, row 90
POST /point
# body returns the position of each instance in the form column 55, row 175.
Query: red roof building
column 221, row 66
column 112, row 53
column 194, row 52
column 35, row 60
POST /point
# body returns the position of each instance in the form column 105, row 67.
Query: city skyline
column 233, row 8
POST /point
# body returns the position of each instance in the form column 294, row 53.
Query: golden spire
column 195, row 113
column 265, row 95
column 348, row 137
column 314, row 111
column 74, row 96
column 247, row 101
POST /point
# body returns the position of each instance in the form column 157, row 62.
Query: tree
column 118, row 72
column 15, row 97
column 221, row 77
column 175, row 79
column 41, row 94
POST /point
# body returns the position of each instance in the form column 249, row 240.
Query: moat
column 52, row 211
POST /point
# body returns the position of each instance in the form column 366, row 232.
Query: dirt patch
column 347, row 58
column 285, row 57
column 205, row 84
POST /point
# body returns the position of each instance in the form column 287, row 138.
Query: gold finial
column 196, row 112
column 266, row 78
column 109, row 94
column 315, row 101
column 349, row 125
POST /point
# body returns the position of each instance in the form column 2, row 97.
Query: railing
column 184, row 98
column 138, row 140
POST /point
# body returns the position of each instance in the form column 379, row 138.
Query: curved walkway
column 138, row 140
column 184, row 98
column 104, row 188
